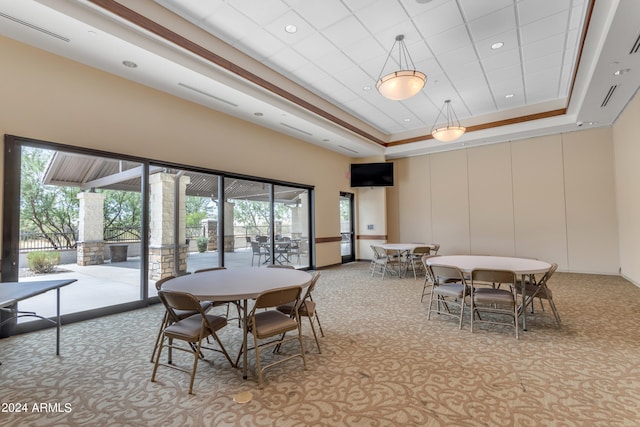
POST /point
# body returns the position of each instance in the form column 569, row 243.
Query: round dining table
column 237, row 284
column 521, row 266
column 404, row 248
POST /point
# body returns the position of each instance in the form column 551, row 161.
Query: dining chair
column 180, row 314
column 285, row 266
column 449, row 287
column 272, row 325
column 489, row 297
column 383, row 262
column 540, row 290
column 225, row 303
column 414, row 258
column 193, row 330
column 435, row 248
column 306, row 308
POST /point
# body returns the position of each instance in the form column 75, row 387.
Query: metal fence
column 37, row 241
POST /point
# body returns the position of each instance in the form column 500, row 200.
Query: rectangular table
column 12, row 292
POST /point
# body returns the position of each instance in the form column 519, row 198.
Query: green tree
column 255, row 214
column 48, row 209
column 197, row 209
column 122, row 213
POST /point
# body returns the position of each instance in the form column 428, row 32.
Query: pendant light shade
column 452, row 130
column 403, row 83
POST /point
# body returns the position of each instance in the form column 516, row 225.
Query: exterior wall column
column 164, row 244
column 90, row 245
column 229, row 233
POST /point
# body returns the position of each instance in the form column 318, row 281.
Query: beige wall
column 626, row 137
column 551, row 198
column 54, row 99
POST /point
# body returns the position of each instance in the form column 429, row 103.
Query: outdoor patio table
column 521, row 266
column 238, row 284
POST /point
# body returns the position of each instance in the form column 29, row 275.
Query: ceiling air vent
column 202, row 92
column 35, row 27
column 636, row 46
column 296, row 129
column 609, row 95
column 347, row 149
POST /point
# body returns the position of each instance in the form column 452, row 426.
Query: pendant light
column 405, row 82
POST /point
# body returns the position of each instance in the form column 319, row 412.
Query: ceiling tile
column 439, row 19
column 474, row 9
column 449, row 40
column 320, row 14
column 508, row 58
column 227, row 23
column 542, row 86
column 287, row 60
column 493, row 24
column 543, row 28
column 533, row 10
column 197, row 9
column 261, row 12
column 259, row 43
column 277, row 28
column 550, row 61
column 381, row 15
column 543, row 47
column 314, row 47
column 346, row 32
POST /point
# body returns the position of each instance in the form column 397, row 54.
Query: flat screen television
column 372, row 175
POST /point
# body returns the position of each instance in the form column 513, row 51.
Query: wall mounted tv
column 372, row 174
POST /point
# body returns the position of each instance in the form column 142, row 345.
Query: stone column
column 229, row 236
column 90, row 247
column 163, row 241
column 211, row 232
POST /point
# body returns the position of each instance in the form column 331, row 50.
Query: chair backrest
column 439, row 272
column 282, row 246
column 174, row 300
column 255, row 247
column 160, row 282
column 422, row 250
column 435, row 248
column 545, row 278
column 202, row 270
column 261, row 239
column 493, row 276
column 276, row 297
column 378, row 252
column 311, row 286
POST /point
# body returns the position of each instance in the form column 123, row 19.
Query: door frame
column 351, row 257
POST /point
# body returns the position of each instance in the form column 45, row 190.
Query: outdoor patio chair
column 257, row 250
column 193, row 330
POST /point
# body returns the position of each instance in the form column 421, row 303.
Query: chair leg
column 315, row 336
column 319, row 325
column 163, row 325
column 196, row 357
column 155, row 365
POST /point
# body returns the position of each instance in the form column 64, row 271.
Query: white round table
column 401, row 248
column 237, row 284
column 521, row 266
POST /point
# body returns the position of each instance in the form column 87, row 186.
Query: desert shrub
column 203, row 243
column 43, row 262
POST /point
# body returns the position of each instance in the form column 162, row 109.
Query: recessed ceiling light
column 129, row 64
column 622, row 71
column 407, row 119
column 366, row 88
column 497, row 45
column 509, row 95
column 291, row 28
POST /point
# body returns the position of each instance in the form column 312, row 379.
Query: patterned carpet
column 382, row 364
